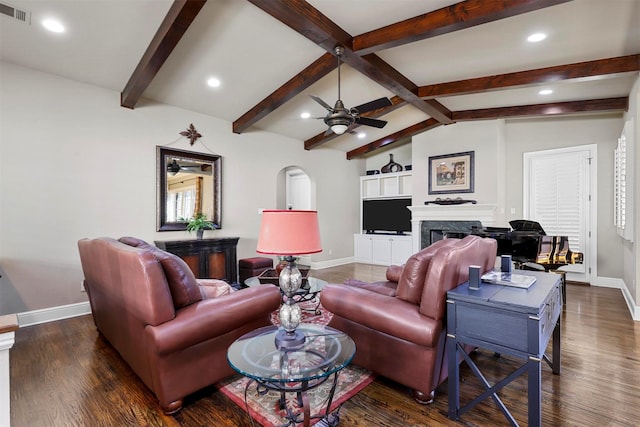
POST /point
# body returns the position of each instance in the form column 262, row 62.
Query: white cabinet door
column 362, row 248
column 401, row 250
column 381, row 250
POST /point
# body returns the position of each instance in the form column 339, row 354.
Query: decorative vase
column 391, row 166
column 200, row 234
column 280, row 266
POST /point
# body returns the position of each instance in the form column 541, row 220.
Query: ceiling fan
column 173, row 168
column 340, row 119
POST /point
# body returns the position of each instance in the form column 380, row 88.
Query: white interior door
column 558, row 194
column 298, row 190
column 298, row 197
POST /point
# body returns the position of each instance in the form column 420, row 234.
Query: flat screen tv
column 386, row 216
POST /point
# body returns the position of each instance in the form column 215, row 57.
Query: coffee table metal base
column 329, row 419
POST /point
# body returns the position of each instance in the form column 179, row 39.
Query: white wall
column 75, row 164
column 480, row 137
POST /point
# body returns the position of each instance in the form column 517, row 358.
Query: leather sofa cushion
column 450, row 268
column 182, row 283
column 384, row 288
column 382, row 313
column 411, row 283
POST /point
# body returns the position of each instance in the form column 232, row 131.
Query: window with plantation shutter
column 557, row 195
column 622, row 185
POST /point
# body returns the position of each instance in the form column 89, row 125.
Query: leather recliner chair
column 402, row 336
column 172, row 329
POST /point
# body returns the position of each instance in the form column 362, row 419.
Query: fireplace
column 430, row 223
column 432, row 231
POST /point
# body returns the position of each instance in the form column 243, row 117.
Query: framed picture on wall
column 451, row 173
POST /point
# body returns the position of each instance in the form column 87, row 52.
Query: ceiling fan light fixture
column 339, row 129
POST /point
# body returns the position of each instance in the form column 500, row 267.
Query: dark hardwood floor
column 64, row 374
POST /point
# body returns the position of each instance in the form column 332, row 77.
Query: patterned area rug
column 264, row 408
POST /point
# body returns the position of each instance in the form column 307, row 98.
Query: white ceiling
column 253, row 54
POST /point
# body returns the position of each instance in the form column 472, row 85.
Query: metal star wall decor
column 191, row 133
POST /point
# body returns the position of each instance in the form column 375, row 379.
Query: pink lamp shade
column 289, row 232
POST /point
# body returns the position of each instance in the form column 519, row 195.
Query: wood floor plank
column 65, row 374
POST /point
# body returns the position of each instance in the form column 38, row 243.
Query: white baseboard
column 332, row 263
column 611, row 282
column 51, row 314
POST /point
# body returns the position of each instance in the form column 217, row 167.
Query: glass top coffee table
column 325, row 353
column 306, row 293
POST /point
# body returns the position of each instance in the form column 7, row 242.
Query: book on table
column 508, row 279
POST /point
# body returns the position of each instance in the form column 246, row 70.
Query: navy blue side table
column 507, row 320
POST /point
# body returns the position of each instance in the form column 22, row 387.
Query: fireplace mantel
column 469, row 212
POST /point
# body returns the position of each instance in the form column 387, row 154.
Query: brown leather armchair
column 402, row 336
column 172, row 329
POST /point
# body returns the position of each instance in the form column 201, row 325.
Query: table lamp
column 289, row 233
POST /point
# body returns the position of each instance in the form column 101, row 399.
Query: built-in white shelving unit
column 383, row 249
column 396, row 184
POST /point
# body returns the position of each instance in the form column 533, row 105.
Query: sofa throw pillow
column 214, row 288
column 182, row 283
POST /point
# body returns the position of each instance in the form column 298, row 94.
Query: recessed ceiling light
column 361, row 135
column 305, row 115
column 536, row 37
column 213, row 82
column 545, row 92
column 53, row 25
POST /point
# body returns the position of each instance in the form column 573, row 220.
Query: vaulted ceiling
column 438, row 61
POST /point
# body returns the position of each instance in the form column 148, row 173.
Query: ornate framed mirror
column 187, row 183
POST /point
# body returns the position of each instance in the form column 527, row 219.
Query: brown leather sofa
column 172, row 329
column 401, row 334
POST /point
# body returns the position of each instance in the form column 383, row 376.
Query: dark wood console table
column 507, row 320
column 207, row 258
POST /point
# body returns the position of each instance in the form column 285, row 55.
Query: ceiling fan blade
column 373, row 105
column 321, row 102
column 366, row 121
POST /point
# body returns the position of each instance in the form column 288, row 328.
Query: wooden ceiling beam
column 385, row 75
column 312, row 24
column 446, row 20
column 308, row 21
column 394, row 138
column 301, row 81
column 537, row 110
column 175, row 24
column 549, row 109
column 322, row 138
column 582, row 70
